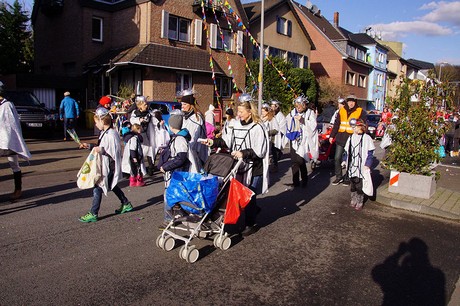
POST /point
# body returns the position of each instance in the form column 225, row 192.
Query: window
column 283, row 26
column 227, row 43
column 294, row 58
column 224, row 87
column 379, row 79
column 351, row 51
column 97, row 27
column 183, row 81
column 360, row 55
column 381, row 58
column 272, row 51
column 362, row 81
column 178, row 29
column 350, row 78
column 305, row 62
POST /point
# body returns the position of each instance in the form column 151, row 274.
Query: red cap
column 105, row 100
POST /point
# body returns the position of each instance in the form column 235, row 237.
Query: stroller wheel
column 222, row 242
column 182, row 252
column 160, row 241
column 169, row 243
column 191, row 254
column 226, row 243
column 313, row 165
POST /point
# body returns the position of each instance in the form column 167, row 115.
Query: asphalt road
column 312, row 249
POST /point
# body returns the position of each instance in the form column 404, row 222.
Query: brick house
column 336, row 56
column 284, row 34
column 154, row 47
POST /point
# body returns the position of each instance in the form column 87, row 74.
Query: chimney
column 336, row 19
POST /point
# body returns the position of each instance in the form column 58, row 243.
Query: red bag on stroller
column 238, row 197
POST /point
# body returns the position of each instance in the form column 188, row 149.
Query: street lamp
column 440, row 69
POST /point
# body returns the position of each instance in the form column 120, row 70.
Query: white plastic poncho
column 133, row 144
column 10, row 131
column 155, row 136
column 251, row 136
column 280, row 138
column 109, row 142
column 307, row 142
column 357, row 148
column 195, row 125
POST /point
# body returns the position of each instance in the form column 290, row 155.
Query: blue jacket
column 69, row 108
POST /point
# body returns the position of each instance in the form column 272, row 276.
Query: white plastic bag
column 91, row 171
column 368, row 187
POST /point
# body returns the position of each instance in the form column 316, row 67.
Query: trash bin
column 89, row 118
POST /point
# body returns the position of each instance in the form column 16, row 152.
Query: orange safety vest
column 345, row 121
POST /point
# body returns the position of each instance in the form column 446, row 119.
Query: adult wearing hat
column 301, row 122
column 69, row 112
column 12, row 143
column 194, row 122
column 280, row 138
column 341, row 131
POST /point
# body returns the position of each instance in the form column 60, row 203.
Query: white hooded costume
column 250, row 136
column 109, row 142
column 307, row 142
column 11, row 133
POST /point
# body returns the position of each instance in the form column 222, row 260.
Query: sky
column 429, row 30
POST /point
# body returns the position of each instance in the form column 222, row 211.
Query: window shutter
column 213, row 35
column 164, row 24
column 289, row 28
column 239, row 42
column 198, row 32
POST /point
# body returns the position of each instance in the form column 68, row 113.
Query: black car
column 372, row 123
column 33, row 115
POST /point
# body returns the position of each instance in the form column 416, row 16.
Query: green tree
column 296, row 82
column 417, row 131
column 16, row 42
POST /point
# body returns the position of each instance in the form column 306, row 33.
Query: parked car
column 372, row 123
column 165, row 107
column 33, row 115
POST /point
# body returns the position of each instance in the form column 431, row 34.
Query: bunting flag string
column 256, row 44
column 226, row 48
column 229, row 24
column 211, row 60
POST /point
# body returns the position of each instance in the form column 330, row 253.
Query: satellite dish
column 309, row 5
column 314, row 9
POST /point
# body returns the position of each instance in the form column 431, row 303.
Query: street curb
column 455, row 298
column 399, row 204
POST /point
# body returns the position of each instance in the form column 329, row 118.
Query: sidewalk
column 445, row 203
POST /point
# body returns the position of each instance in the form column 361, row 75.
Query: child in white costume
column 12, row 143
column 195, row 124
column 306, row 142
column 153, row 133
column 359, row 153
column 109, row 147
column 280, row 138
column 270, row 123
column 133, row 157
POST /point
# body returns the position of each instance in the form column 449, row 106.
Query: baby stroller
column 198, row 203
column 325, row 149
column 381, row 127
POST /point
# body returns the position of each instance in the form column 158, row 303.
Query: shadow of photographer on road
column 407, row 277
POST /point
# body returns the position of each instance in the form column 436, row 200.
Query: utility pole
column 261, row 55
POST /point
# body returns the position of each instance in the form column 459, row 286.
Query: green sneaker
column 124, row 208
column 89, row 217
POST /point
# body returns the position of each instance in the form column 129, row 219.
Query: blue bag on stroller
column 194, row 188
